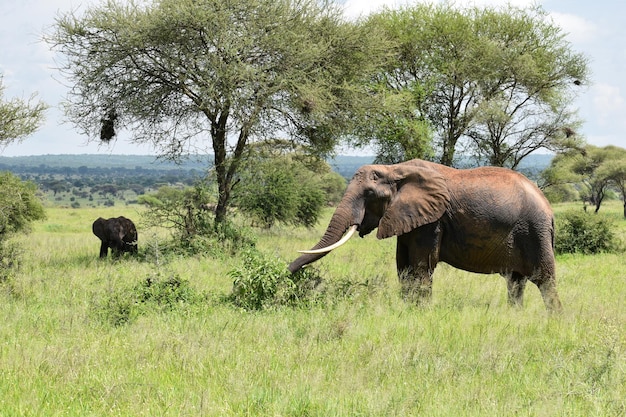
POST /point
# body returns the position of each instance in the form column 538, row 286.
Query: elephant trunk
column 344, row 216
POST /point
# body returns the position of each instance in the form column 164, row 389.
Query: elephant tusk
column 343, row 240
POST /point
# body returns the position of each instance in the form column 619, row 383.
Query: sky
column 27, row 66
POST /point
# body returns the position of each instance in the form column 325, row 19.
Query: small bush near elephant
column 579, row 232
column 263, row 282
column 153, row 294
column 192, row 224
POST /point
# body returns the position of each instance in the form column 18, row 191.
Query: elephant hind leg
column 515, row 283
column 546, row 282
column 550, row 295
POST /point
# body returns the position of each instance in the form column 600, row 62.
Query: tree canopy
column 278, row 184
column 19, row 118
column 495, row 82
column 595, row 170
column 213, row 75
column 19, row 205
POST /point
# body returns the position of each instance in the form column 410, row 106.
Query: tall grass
column 365, row 353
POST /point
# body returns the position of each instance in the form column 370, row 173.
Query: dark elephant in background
column 117, row 233
column 483, row 220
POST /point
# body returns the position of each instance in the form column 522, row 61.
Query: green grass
column 367, row 354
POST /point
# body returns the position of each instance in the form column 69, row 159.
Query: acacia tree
column 595, row 169
column 495, row 79
column 19, row 118
column 186, row 74
column 525, row 97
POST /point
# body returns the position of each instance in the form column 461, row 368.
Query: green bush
column 152, row 295
column 285, row 188
column 263, row 282
column 19, row 205
column 186, row 213
column 580, row 232
column 269, row 194
column 10, row 255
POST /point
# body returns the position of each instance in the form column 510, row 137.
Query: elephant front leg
column 415, row 274
column 417, row 255
column 416, row 285
column 104, row 249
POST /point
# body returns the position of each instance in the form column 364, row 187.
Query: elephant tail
column 553, row 234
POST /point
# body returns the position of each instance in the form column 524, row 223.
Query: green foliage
column 154, row 294
column 19, row 205
column 496, row 80
column 580, row 232
column 226, row 74
column 561, row 193
column 263, row 282
column 10, row 258
column 19, row 118
column 285, row 188
column 222, row 240
column 595, row 172
column 189, row 217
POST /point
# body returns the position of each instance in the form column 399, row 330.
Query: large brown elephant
column 117, row 233
column 484, row 220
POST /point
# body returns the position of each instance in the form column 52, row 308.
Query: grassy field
column 367, row 353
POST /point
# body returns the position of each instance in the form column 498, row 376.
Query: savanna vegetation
column 163, row 334
column 206, row 320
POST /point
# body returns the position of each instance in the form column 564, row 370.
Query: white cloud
column 579, row 29
column 609, row 104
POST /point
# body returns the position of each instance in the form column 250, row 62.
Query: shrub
column 263, row 282
column 10, row 255
column 285, row 188
column 19, row 205
column 269, row 194
column 192, row 224
column 152, row 295
column 579, row 232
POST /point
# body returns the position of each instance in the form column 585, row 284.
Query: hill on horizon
column 345, row 165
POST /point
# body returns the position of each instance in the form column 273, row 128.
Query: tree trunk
column 218, row 136
column 226, row 168
column 447, row 157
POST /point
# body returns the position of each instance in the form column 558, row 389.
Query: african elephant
column 484, row 220
column 117, row 233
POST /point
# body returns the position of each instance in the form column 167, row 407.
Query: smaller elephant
column 117, row 233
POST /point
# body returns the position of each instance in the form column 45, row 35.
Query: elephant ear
column 422, row 197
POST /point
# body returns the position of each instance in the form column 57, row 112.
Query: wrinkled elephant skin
column 484, row 220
